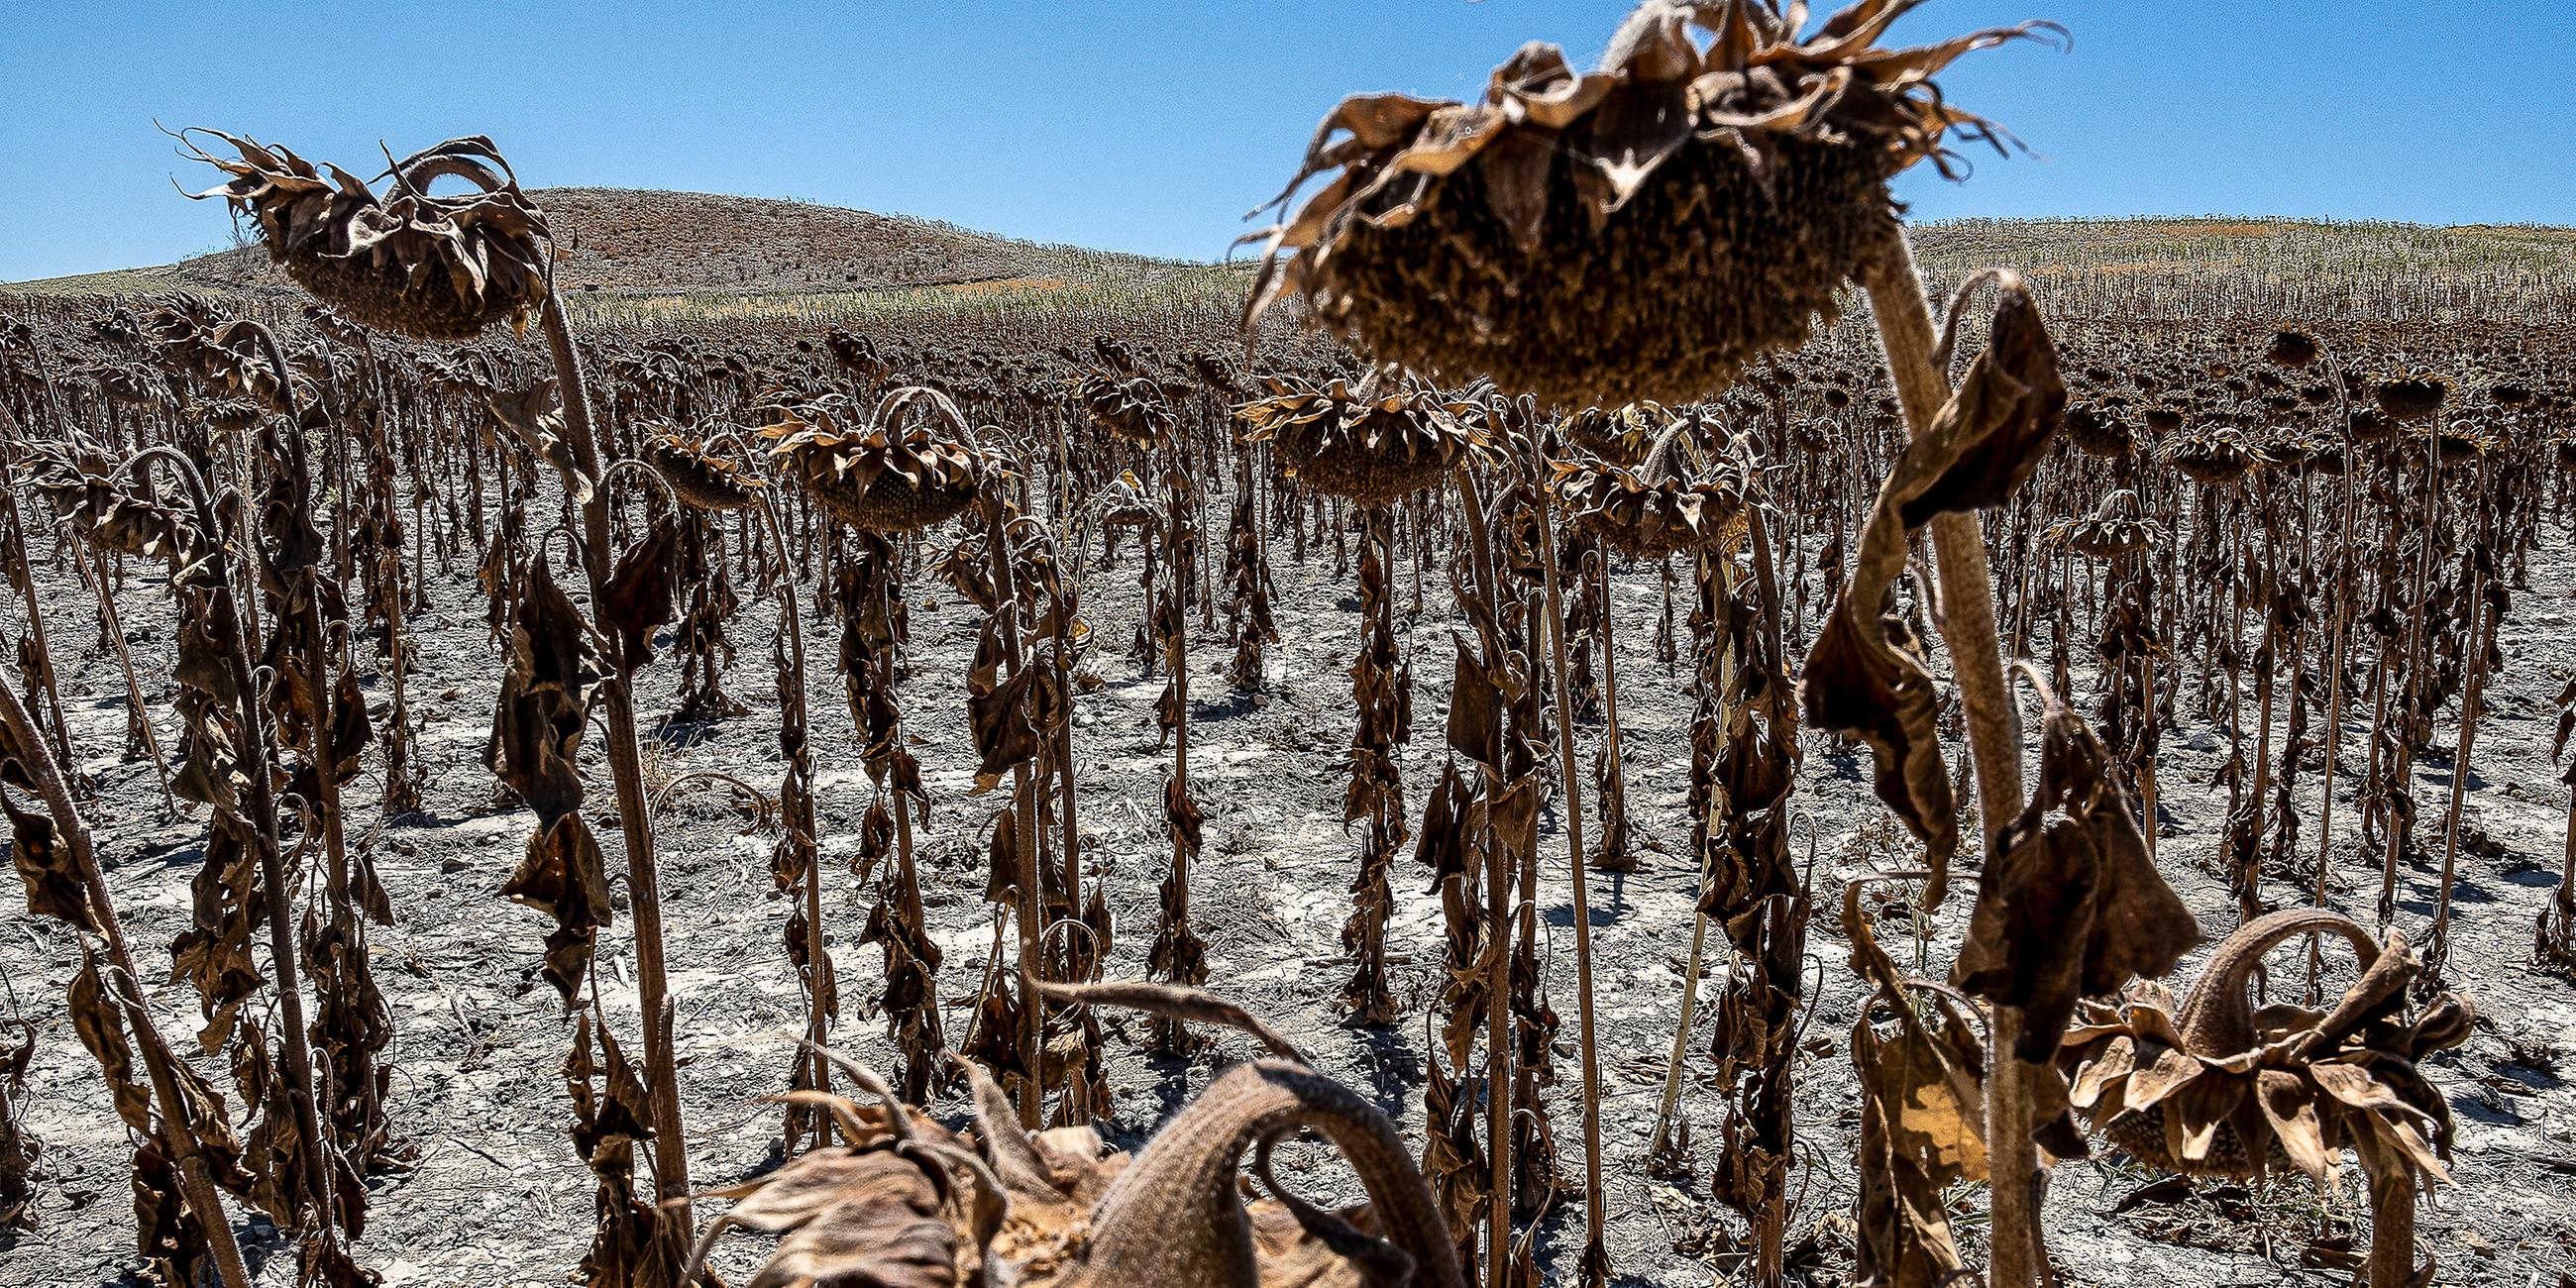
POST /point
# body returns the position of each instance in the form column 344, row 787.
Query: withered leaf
column 2005, row 413
column 1922, row 1116
column 2070, row 905
column 1865, row 675
column 553, row 673
column 54, row 885
column 643, row 592
column 997, row 711
column 564, row 875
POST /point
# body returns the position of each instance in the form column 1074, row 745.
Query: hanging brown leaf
column 54, row 885
column 564, row 875
column 2070, row 905
column 1865, row 674
column 553, row 673
column 643, row 592
column 1922, row 1115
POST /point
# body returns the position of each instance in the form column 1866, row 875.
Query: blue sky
column 1152, row 127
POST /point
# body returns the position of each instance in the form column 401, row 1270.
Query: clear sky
column 1151, row 127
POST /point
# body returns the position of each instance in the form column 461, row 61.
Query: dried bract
column 428, row 267
column 1645, row 229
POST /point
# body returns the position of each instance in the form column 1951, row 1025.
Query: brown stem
column 1595, row 1255
column 2392, row 1218
column 1498, row 989
column 307, row 1092
column 194, row 1180
column 1905, row 330
column 634, row 816
column 1032, row 1104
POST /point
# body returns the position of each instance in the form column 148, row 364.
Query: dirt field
column 498, row 1196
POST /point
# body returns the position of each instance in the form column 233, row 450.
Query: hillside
column 636, row 242
column 638, row 255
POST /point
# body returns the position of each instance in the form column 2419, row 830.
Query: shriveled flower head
column 89, row 492
column 1619, row 435
column 2216, row 457
column 2101, row 429
column 1364, row 445
column 856, row 353
column 2412, row 395
column 2292, row 348
column 1642, row 230
column 1130, row 408
column 2117, row 527
column 428, row 267
column 884, row 471
column 698, row 475
column 1661, row 506
column 2221, row 1087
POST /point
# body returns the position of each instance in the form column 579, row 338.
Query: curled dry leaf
column 643, row 592
column 1865, row 674
column 534, row 417
column 54, row 885
column 552, row 677
column 2070, row 904
column 1922, row 1114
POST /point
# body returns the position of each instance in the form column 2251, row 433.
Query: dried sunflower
column 697, row 475
column 1133, row 409
column 1620, row 435
column 884, row 472
column 2116, row 528
column 2292, row 348
column 2215, row 457
column 1660, row 507
column 856, row 353
column 429, row 267
column 1371, row 448
column 82, row 487
column 2099, row 429
column 2220, row 1087
column 1745, row 180
column 2412, row 395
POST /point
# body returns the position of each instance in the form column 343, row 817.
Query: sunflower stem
column 1595, row 1256
column 1905, row 331
column 196, row 1184
column 634, row 814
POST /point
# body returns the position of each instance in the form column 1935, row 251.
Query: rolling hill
column 638, row 253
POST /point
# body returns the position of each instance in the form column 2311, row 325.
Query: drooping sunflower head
column 699, row 475
column 1371, row 447
column 1618, row 435
column 1643, row 230
column 908, row 465
column 2412, row 395
column 2293, row 348
column 1130, row 408
column 2219, row 1087
column 1676, row 499
column 429, row 267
